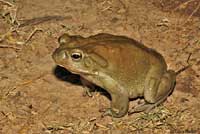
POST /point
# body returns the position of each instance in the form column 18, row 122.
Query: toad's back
column 128, row 61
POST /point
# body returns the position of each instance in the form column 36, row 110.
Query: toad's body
column 120, row 65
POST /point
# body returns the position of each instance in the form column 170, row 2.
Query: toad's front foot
column 111, row 112
column 106, row 112
column 88, row 92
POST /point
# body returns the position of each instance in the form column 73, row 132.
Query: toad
column 125, row 68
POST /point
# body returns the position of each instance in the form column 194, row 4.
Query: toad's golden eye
column 76, row 56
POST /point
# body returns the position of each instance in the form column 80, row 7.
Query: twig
column 30, row 81
column 6, row 2
column 11, row 11
column 31, row 35
column 183, row 4
column 194, row 11
column 39, row 20
column 7, row 46
column 188, row 59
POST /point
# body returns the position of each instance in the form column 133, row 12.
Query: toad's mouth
column 79, row 71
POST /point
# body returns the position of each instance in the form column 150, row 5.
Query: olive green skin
column 122, row 66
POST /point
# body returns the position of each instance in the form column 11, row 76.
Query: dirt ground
column 37, row 97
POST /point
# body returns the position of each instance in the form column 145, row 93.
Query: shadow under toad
column 65, row 75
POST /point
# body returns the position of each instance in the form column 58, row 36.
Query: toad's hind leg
column 157, row 91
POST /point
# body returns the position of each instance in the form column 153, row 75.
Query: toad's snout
column 59, row 55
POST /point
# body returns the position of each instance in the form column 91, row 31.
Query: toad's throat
column 79, row 71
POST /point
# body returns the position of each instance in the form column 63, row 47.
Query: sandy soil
column 36, row 97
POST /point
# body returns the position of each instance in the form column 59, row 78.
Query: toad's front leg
column 119, row 95
column 119, row 106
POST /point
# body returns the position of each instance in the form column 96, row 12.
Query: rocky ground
column 36, row 97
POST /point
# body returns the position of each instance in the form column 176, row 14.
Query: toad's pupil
column 76, row 56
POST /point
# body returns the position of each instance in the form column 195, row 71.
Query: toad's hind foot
column 166, row 86
column 145, row 107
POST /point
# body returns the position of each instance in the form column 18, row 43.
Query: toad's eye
column 76, row 56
